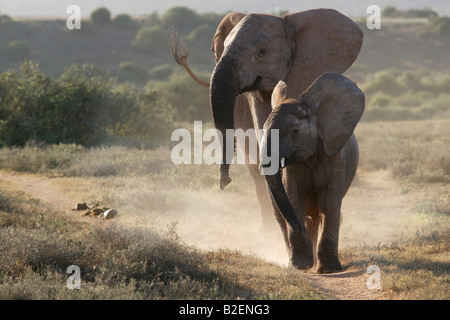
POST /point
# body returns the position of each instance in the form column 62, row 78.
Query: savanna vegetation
column 96, row 118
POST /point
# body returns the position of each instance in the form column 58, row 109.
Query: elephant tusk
column 283, row 162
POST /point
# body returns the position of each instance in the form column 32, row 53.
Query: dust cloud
column 375, row 212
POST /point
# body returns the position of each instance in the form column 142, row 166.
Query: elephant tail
column 180, row 52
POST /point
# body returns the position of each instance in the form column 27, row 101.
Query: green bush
column 411, row 81
column 380, row 100
column 129, row 71
column 409, row 100
column 83, row 106
column 124, row 22
column 390, row 11
column 5, row 20
column 389, row 114
column 101, row 16
column 385, row 82
column 444, row 85
column 161, row 73
column 393, row 12
column 200, row 45
column 148, row 116
column 202, row 35
column 189, row 100
column 18, row 50
column 181, row 18
column 152, row 40
column 440, row 25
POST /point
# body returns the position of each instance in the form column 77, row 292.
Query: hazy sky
column 57, row 8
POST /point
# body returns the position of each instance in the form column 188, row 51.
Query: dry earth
column 372, row 214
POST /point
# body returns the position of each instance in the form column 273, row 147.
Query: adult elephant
column 253, row 52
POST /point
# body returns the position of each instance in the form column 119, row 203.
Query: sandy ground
column 372, row 213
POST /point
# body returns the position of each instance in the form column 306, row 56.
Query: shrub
column 84, row 106
column 202, row 34
column 444, row 85
column 124, row 22
column 385, row 82
column 421, row 13
column 101, row 16
column 389, row 114
column 18, row 50
column 390, row 11
column 152, row 40
column 409, row 100
column 411, row 81
column 182, row 18
column 440, row 25
column 380, row 100
column 5, row 20
column 161, row 73
column 129, row 71
column 148, row 118
column 189, row 100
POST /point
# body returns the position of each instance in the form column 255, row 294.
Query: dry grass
column 179, row 237
column 119, row 261
column 416, row 151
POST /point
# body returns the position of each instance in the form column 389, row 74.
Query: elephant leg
column 283, row 226
column 301, row 251
column 262, row 195
column 313, row 225
column 298, row 248
column 327, row 249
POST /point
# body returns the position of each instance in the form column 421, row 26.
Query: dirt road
column 384, row 203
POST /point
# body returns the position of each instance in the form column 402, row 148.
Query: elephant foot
column 302, row 259
column 302, row 263
column 301, row 253
column 329, row 265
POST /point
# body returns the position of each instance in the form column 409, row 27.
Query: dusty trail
column 380, row 210
column 39, row 187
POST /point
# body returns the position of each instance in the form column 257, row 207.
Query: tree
column 390, row 11
column 151, row 40
column 101, row 16
column 182, row 18
column 123, row 21
column 129, row 71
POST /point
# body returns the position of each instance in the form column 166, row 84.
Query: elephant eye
column 294, row 132
column 262, row 52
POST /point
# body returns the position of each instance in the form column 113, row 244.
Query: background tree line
column 134, row 91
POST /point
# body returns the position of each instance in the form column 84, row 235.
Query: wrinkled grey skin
column 253, row 52
column 321, row 154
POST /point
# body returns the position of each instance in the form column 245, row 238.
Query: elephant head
column 254, row 52
column 323, row 118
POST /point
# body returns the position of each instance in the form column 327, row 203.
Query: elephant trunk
column 276, row 188
column 223, row 91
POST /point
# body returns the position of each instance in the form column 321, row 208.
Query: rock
column 81, row 206
column 97, row 211
column 109, row 214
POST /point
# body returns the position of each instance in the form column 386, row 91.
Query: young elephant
column 319, row 156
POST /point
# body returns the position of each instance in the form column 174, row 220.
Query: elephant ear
column 339, row 104
column 326, row 41
column 278, row 94
column 226, row 25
